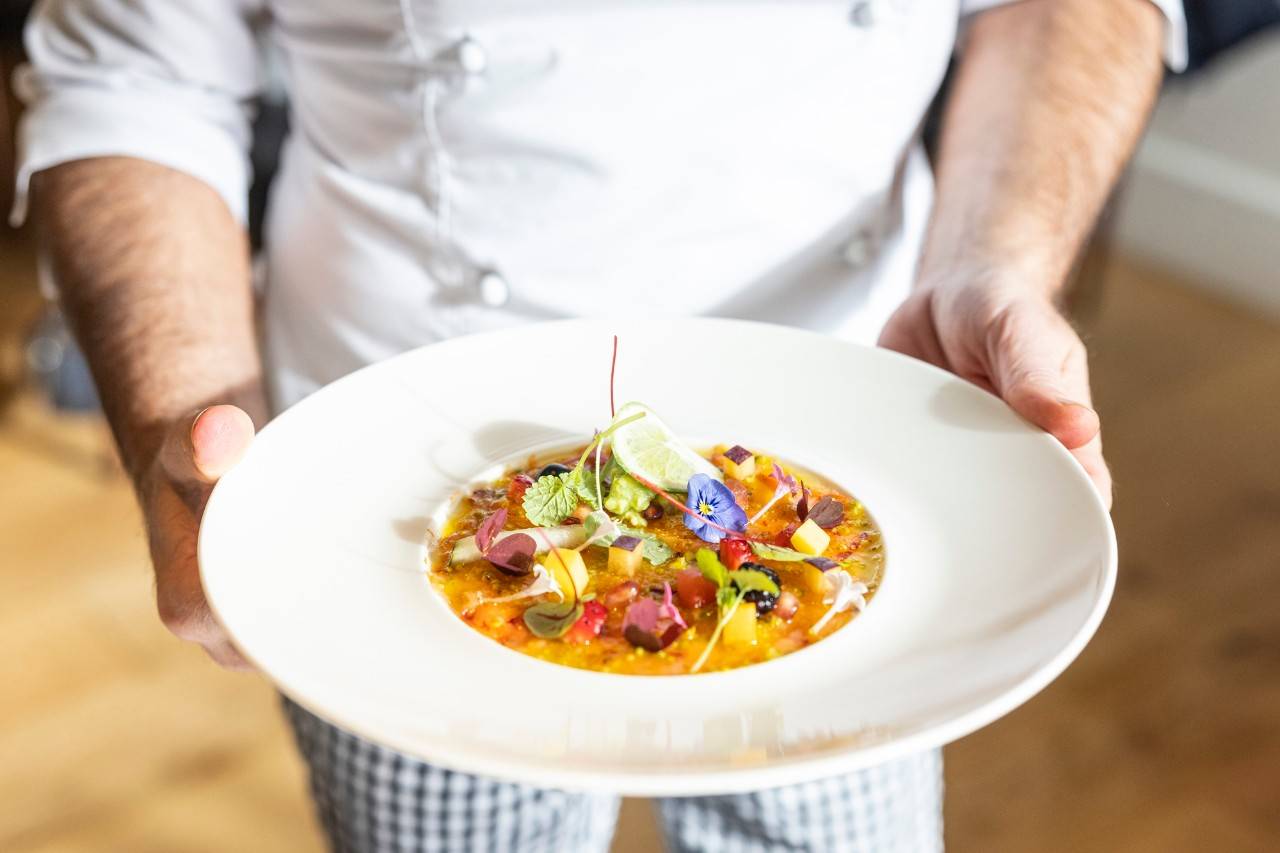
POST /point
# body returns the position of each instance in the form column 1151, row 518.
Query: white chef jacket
column 743, row 158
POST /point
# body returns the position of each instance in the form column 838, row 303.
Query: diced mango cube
column 815, row 581
column 568, row 568
column 625, row 555
column 740, row 630
column 739, row 463
column 810, row 539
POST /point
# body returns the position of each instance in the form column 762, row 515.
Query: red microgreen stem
column 613, row 368
column 737, row 534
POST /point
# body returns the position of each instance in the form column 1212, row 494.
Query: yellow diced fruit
column 624, row 561
column 815, row 581
column 744, row 470
column 810, row 539
column 740, row 630
column 569, row 570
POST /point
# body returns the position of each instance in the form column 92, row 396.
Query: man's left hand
column 1016, row 345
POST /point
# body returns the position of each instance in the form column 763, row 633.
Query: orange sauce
column 856, row 544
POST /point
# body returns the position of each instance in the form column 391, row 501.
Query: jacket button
column 860, row 249
column 494, row 290
column 471, row 56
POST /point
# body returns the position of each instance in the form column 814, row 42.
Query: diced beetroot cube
column 694, row 590
column 734, row 552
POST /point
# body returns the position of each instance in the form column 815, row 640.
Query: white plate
column 1000, row 557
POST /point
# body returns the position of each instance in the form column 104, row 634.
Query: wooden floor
column 1163, row 737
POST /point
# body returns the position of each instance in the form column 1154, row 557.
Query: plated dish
column 999, row 558
column 637, row 555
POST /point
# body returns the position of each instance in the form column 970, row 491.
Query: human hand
column 1014, row 344
column 174, row 489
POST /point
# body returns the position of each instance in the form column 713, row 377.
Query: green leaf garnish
column 766, row 551
column 725, row 597
column 550, row 499
column 751, row 580
column 584, row 485
column 653, row 549
column 712, row 569
column 552, row 619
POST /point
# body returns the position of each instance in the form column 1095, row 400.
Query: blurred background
column 1162, row 737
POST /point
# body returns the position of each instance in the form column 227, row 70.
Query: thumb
column 209, row 445
column 1040, row 368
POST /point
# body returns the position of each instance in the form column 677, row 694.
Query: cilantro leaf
column 753, row 580
column 550, row 499
column 765, row 551
column 551, row 619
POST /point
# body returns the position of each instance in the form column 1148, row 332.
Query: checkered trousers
column 373, row 800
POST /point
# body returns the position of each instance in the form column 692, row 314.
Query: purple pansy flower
column 711, row 500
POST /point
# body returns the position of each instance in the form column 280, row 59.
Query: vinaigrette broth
column 856, row 543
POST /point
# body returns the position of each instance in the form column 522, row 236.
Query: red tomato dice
column 589, row 624
column 520, row 484
column 734, row 552
column 694, row 590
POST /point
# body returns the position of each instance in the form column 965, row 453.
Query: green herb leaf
column 551, row 619
column 653, row 549
column 550, row 499
column 725, row 597
column 751, row 580
column 584, row 484
column 765, row 551
column 712, row 569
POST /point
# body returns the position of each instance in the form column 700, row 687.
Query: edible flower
column 667, row 609
column 846, row 593
column 712, row 509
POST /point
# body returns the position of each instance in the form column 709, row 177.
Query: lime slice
column 647, row 448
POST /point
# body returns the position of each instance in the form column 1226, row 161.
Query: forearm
column 1049, row 100
column 154, row 276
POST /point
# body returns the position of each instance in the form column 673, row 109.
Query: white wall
column 1203, row 198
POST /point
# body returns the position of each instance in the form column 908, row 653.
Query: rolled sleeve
column 169, row 81
column 1175, row 27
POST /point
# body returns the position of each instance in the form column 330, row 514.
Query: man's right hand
column 196, row 452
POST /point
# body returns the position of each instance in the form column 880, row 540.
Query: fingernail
column 196, row 419
column 1064, row 401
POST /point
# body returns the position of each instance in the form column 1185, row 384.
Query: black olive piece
column 555, row 469
column 764, row 601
